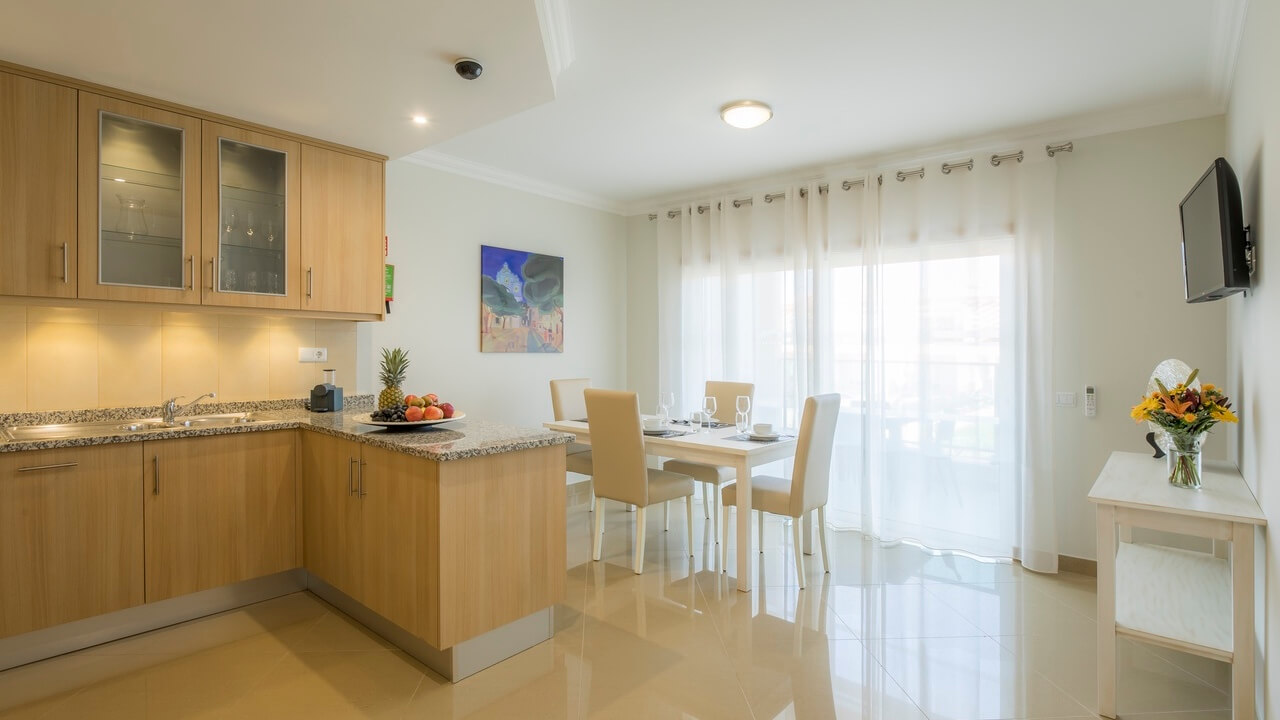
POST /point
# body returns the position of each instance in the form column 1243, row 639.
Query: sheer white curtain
column 924, row 303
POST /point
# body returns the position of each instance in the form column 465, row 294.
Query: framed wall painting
column 521, row 301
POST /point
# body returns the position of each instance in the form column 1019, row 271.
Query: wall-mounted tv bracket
column 1249, row 249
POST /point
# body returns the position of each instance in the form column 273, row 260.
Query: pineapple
column 394, row 364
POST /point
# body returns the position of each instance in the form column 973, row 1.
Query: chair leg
column 591, row 506
column 706, row 512
column 795, row 542
column 688, row 516
column 597, row 537
column 716, row 502
column 666, row 516
column 822, row 538
column 638, row 565
column 760, row 530
column 724, row 539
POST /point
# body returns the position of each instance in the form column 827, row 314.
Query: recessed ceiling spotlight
column 746, row 114
column 419, row 119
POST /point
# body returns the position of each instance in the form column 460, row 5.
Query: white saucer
column 770, row 436
column 656, row 431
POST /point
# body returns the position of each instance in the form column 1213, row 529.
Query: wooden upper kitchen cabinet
column 342, row 230
column 331, row 509
column 218, row 510
column 139, row 202
column 250, row 219
column 70, row 535
column 37, row 188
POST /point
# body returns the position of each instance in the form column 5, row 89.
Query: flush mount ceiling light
column 746, row 114
column 419, row 119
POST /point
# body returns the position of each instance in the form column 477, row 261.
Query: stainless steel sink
column 28, row 433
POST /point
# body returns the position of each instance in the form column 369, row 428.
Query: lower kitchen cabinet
column 331, row 509
column 369, row 528
column 70, row 535
column 218, row 510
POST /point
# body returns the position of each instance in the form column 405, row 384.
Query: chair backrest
column 811, row 479
column 726, row 394
column 567, row 402
column 617, row 446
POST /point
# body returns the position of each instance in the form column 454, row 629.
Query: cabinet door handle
column 57, row 466
column 155, row 475
column 217, row 267
column 362, row 492
column 351, row 475
column 191, row 265
column 66, row 268
column 308, row 282
column 213, row 276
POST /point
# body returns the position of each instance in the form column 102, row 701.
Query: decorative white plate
column 770, row 436
column 367, row 419
column 656, row 431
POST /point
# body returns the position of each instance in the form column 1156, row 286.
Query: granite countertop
column 455, row 440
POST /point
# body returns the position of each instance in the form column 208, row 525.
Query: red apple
column 431, row 398
column 413, row 414
column 447, row 409
column 433, row 413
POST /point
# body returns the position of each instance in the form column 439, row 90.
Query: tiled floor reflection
column 891, row 633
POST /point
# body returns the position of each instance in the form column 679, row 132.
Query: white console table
column 1189, row 601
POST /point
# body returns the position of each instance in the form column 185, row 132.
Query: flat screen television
column 1214, row 258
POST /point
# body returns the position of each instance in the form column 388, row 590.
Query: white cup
column 762, row 428
column 653, row 423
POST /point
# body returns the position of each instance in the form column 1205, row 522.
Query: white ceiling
column 635, row 117
column 340, row 70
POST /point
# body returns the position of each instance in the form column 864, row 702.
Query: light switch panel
column 313, row 355
column 1066, row 399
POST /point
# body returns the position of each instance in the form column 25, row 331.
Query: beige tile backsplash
column 54, row 358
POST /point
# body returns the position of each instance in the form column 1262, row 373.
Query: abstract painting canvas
column 521, row 301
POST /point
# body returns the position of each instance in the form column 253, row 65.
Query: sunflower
column 1189, row 418
column 1222, row 414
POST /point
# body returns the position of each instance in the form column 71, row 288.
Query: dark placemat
column 668, row 434
column 713, row 426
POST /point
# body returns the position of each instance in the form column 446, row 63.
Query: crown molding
column 515, row 181
column 1228, row 31
column 557, row 35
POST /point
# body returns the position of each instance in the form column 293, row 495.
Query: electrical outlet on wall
column 312, row 355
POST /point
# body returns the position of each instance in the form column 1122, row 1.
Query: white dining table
column 714, row 448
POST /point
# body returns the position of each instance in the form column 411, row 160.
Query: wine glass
column 709, row 410
column 666, row 401
column 744, row 404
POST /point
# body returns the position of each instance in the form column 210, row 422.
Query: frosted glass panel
column 140, row 203
column 251, row 196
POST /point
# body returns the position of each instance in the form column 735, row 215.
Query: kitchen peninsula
column 449, row 542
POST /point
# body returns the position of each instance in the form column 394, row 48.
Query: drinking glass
column 666, row 401
column 709, row 410
column 742, row 421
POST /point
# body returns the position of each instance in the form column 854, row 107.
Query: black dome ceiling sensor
column 468, row 68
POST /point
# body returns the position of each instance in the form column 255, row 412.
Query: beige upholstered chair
column 806, row 490
column 567, row 403
column 713, row 476
column 617, row 443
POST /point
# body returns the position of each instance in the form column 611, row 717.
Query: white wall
column 437, row 222
column 1119, row 304
column 1253, row 354
column 1117, row 297
column 642, row 309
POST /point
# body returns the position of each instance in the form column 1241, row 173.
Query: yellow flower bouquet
column 1186, row 413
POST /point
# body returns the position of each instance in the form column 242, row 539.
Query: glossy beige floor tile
column 891, row 633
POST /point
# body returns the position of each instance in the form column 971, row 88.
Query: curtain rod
column 967, row 164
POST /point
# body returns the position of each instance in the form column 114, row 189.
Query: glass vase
column 1183, row 460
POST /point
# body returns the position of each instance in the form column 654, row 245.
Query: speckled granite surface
column 451, row 441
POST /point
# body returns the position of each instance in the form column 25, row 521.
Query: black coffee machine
column 326, row 397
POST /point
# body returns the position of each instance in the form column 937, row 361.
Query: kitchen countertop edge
column 509, row 438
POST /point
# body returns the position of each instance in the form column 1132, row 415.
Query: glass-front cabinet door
column 251, row 219
column 139, row 202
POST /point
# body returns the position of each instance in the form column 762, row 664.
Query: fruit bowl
column 367, row 419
